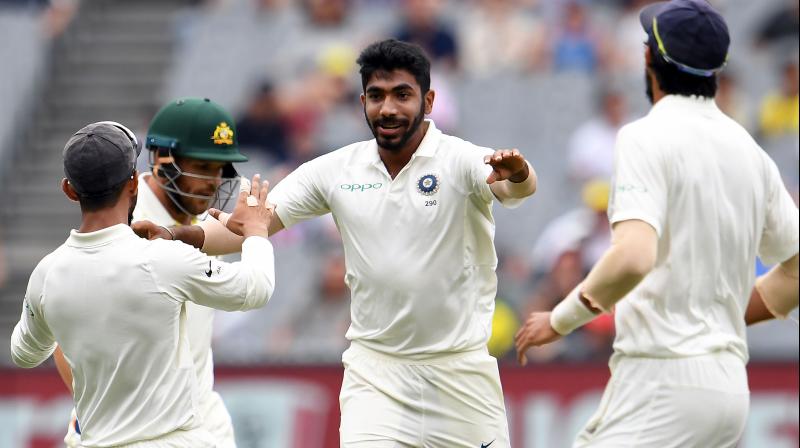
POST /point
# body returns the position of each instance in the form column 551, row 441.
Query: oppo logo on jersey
column 360, row 187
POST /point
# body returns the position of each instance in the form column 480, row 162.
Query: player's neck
column 657, row 93
column 102, row 219
column 394, row 161
column 164, row 199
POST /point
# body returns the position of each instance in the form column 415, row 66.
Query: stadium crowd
column 287, row 67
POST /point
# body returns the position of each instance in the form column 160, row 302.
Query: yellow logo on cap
column 223, row 134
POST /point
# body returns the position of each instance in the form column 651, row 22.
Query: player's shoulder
column 452, row 146
column 46, row 263
column 639, row 128
column 346, row 154
column 43, row 268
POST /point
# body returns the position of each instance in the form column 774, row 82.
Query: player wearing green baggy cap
column 193, row 145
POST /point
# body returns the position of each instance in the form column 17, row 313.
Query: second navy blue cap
column 689, row 34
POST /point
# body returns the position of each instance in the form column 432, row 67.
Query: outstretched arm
column 630, row 258
column 211, row 236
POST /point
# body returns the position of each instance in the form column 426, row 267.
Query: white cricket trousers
column 452, row 401
column 694, row 402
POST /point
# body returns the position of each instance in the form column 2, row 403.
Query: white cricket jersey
column 716, row 201
column 419, row 249
column 199, row 319
column 114, row 302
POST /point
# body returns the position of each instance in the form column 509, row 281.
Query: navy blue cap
column 689, row 34
column 99, row 157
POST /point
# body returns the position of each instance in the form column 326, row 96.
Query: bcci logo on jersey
column 428, row 184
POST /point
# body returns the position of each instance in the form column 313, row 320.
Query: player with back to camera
column 413, row 206
column 192, row 144
column 115, row 303
column 694, row 201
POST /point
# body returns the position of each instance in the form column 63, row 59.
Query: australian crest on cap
column 223, row 134
column 428, row 184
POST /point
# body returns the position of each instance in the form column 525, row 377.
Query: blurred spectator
column 262, row 128
column 318, row 329
column 729, row 98
column 422, row 25
column 326, row 13
column 628, row 39
column 498, row 37
column 779, row 109
column 576, row 45
column 591, row 146
column 782, row 26
column 3, row 263
column 58, row 16
column 19, row 4
column 504, row 326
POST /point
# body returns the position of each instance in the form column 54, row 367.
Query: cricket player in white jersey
column 414, row 207
column 192, row 144
column 115, row 303
column 695, row 200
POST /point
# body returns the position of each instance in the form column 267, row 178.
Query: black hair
column 392, row 54
column 94, row 202
column 675, row 82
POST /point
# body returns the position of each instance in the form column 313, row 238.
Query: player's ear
column 363, row 100
column 68, row 190
column 430, row 95
column 133, row 186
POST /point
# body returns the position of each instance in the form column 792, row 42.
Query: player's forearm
column 218, row 240
column 191, row 235
column 775, row 293
column 63, row 368
column 513, row 191
column 630, row 258
column 28, row 353
column 240, row 286
column 757, row 311
column 261, row 259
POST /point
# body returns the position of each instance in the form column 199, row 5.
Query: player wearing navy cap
column 116, row 303
column 694, row 201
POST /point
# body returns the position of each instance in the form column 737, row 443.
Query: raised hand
column 252, row 214
column 507, row 164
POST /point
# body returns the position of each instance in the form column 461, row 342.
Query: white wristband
column 570, row 313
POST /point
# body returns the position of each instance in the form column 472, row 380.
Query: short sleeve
column 475, row 171
column 639, row 187
column 300, row 195
column 779, row 237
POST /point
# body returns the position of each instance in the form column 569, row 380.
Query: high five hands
column 252, row 214
column 507, row 164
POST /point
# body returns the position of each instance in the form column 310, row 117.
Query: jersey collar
column 99, row 237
